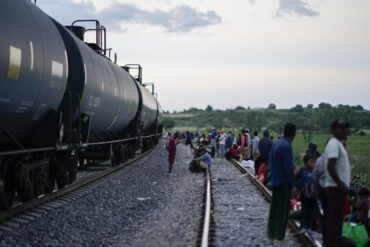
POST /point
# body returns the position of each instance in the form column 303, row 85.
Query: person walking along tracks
column 282, row 174
column 171, row 148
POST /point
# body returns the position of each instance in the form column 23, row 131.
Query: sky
column 240, row 52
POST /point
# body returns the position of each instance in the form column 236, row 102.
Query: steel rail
column 307, row 239
column 24, row 207
column 207, row 212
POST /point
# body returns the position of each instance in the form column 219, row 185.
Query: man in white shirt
column 221, row 149
column 337, row 179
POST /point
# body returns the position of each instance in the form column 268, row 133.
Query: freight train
column 64, row 103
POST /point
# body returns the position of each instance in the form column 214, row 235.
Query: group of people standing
column 323, row 180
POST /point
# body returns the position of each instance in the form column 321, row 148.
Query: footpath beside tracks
column 306, row 239
column 18, row 214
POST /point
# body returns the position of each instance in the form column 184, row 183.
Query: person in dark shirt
column 306, row 185
column 282, row 173
column 188, row 143
column 265, row 146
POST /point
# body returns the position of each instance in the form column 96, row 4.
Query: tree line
column 308, row 119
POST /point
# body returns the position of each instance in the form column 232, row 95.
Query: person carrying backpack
column 306, row 185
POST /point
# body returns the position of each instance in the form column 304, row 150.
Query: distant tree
column 174, row 112
column 168, row 123
column 297, row 108
column 193, row 110
column 324, row 105
column 310, row 106
column 209, row 108
column 239, row 108
column 358, row 107
column 271, row 106
column 343, row 106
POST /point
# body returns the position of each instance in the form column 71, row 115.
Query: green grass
column 358, row 148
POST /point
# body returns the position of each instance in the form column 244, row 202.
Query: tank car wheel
column 39, row 188
column 116, row 156
column 113, row 159
column 62, row 179
column 27, row 184
column 151, row 144
column 81, row 163
column 49, row 184
column 131, row 152
column 72, row 170
column 61, row 170
column 121, row 153
column 125, row 154
column 7, row 185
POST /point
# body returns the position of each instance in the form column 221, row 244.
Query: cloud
column 67, row 11
column 252, row 2
column 180, row 19
column 297, row 7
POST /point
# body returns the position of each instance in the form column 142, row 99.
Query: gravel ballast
column 141, row 205
column 240, row 212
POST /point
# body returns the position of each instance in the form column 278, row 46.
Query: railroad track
column 206, row 223
column 22, row 213
column 306, row 239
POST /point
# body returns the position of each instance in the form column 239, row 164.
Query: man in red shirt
column 171, row 148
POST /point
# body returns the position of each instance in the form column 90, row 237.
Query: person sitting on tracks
column 204, row 160
column 361, row 215
column 305, row 184
column 261, row 173
column 232, row 153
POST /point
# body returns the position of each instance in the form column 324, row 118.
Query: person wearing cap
column 337, row 180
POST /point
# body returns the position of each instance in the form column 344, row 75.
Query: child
column 305, row 183
column 361, row 215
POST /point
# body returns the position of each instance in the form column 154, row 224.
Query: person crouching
column 204, row 160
